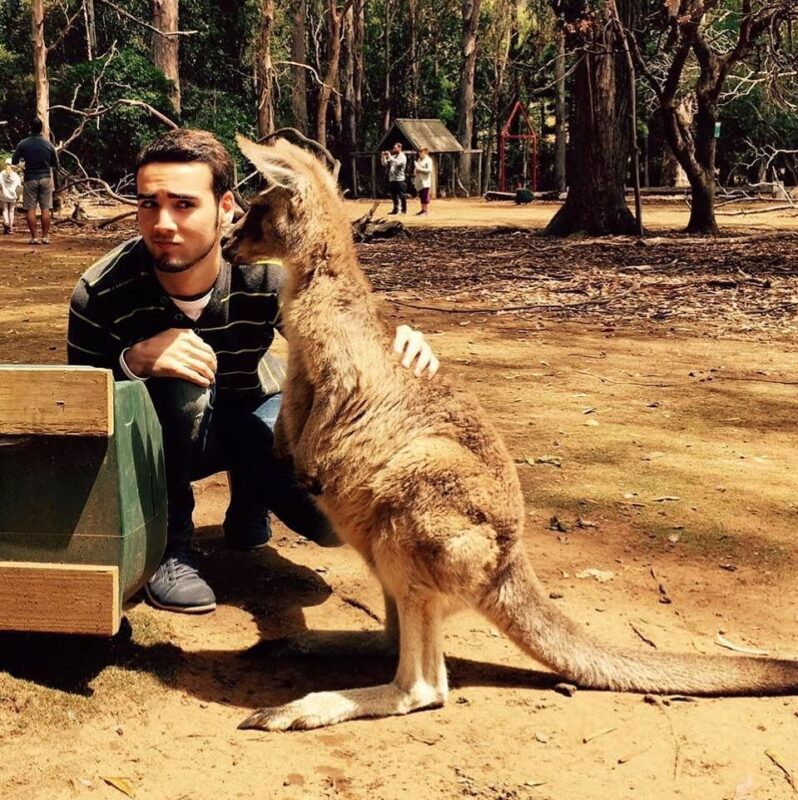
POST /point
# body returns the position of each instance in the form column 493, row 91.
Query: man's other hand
column 175, row 353
column 415, row 351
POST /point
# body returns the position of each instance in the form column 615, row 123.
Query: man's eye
column 185, row 204
column 146, row 204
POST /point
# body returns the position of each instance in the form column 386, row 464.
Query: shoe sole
column 179, row 609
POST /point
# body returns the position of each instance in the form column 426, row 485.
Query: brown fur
column 415, row 478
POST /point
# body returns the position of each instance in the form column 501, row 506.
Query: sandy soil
column 676, row 450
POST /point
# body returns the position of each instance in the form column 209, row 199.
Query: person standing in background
column 40, row 159
column 422, row 179
column 396, row 161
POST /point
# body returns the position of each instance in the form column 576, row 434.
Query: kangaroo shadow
column 274, row 591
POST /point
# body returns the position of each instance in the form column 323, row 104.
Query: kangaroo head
column 299, row 210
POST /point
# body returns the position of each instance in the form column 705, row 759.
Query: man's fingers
column 415, row 343
column 422, row 361
column 202, row 368
column 400, row 339
column 434, row 365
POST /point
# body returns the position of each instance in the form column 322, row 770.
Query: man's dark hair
column 184, row 146
column 37, row 126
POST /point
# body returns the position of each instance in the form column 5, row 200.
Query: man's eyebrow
column 171, row 195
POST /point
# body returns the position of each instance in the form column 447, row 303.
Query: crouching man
column 167, row 309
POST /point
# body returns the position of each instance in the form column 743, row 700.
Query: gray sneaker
column 178, row 586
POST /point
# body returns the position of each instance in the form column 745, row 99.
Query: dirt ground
column 647, row 393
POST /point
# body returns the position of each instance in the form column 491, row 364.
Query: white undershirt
column 191, row 308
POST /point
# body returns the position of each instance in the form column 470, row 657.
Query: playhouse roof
column 417, row 133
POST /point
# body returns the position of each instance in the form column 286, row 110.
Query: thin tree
column 40, row 80
column 465, row 108
column 265, row 70
column 299, row 87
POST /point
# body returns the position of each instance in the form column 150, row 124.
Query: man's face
column 179, row 218
column 397, row 148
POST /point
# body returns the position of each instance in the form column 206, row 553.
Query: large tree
column 599, row 129
column 717, row 49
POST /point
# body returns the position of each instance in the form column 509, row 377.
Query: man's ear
column 227, row 204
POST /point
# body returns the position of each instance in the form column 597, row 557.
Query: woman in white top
column 422, row 180
column 9, row 186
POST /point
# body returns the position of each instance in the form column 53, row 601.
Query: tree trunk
column 40, row 65
column 91, row 30
column 702, row 182
column 331, row 76
column 415, row 67
column 599, row 140
column 349, row 118
column 465, row 111
column 560, row 140
column 702, row 210
column 299, row 88
column 165, row 49
column 387, row 105
column 360, row 66
column 265, row 70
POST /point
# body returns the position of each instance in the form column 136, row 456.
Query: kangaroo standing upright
column 415, row 478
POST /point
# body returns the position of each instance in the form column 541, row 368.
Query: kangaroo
column 415, row 478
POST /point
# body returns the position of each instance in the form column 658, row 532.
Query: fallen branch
column 106, row 188
column 117, row 218
column 745, row 212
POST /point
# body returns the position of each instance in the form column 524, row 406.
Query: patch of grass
column 53, row 682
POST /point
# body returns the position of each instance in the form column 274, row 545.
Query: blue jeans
column 204, row 434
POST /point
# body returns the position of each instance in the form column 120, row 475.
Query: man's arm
column 15, row 159
column 90, row 341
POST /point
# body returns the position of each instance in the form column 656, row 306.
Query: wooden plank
column 59, row 598
column 71, row 401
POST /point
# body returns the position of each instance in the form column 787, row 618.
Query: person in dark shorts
column 40, row 158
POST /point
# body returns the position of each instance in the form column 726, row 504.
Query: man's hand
column 175, row 353
column 413, row 347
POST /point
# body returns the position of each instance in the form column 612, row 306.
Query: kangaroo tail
column 517, row 604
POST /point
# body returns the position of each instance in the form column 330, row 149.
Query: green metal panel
column 89, row 500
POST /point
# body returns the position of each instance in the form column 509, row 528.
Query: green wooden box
column 89, row 499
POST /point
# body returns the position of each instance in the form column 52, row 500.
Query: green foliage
column 108, row 145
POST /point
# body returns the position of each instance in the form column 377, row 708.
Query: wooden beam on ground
column 59, row 598
column 59, row 401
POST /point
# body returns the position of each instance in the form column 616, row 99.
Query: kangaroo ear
column 272, row 164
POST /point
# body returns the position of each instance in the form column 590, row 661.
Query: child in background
column 10, row 183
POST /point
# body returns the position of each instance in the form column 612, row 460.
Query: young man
column 396, row 161
column 167, row 309
column 40, row 159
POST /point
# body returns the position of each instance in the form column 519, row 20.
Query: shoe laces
column 180, row 563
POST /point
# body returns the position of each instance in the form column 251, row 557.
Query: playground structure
column 530, row 172
column 82, row 498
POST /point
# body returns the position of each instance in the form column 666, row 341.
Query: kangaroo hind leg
column 420, row 680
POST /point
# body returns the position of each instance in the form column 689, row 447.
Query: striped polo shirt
column 118, row 302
